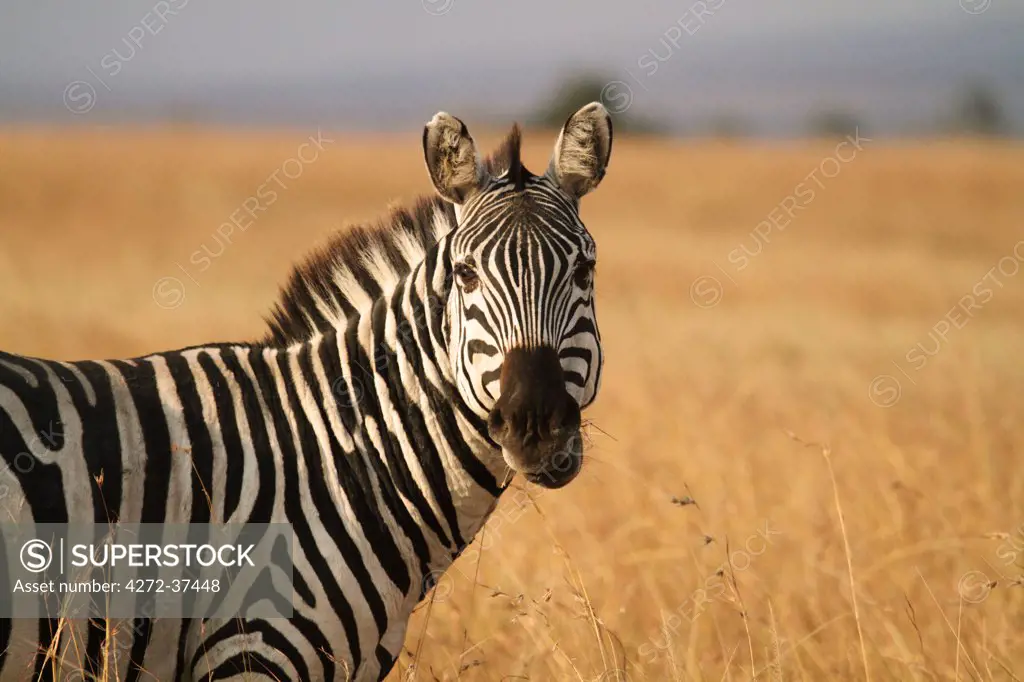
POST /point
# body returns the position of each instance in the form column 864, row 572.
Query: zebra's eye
column 584, row 273
column 466, row 274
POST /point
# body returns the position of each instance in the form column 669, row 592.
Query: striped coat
column 349, row 422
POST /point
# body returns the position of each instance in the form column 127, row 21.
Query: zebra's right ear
column 451, row 157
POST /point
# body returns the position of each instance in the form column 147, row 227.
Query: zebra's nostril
column 568, row 418
column 496, row 425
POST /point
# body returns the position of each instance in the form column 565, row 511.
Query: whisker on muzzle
column 510, row 473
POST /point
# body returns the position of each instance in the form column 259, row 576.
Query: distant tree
column 616, row 95
column 832, row 123
column 979, row 112
column 727, row 126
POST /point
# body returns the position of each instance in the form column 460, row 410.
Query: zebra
column 410, row 370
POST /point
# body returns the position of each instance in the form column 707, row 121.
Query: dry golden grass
column 754, row 408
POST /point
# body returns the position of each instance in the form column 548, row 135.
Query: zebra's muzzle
column 562, row 467
column 535, row 420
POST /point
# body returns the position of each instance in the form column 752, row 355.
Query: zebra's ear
column 451, row 157
column 582, row 151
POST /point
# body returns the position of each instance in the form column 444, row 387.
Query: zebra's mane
column 356, row 267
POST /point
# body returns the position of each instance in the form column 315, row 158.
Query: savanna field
column 805, row 462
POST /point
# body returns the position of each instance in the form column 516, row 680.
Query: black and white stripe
column 357, row 421
column 538, row 260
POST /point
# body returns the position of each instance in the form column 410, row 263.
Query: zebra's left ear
column 582, row 151
column 451, row 157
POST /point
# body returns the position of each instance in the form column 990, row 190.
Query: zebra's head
column 519, row 319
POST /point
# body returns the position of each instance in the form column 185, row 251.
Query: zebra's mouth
column 562, row 467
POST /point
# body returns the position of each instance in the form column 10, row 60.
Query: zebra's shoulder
column 354, row 268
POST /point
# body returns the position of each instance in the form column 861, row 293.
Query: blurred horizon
column 691, row 68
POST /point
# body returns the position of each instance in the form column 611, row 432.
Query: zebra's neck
column 438, row 475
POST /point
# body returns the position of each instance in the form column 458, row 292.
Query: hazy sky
column 251, row 39
column 46, row 44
